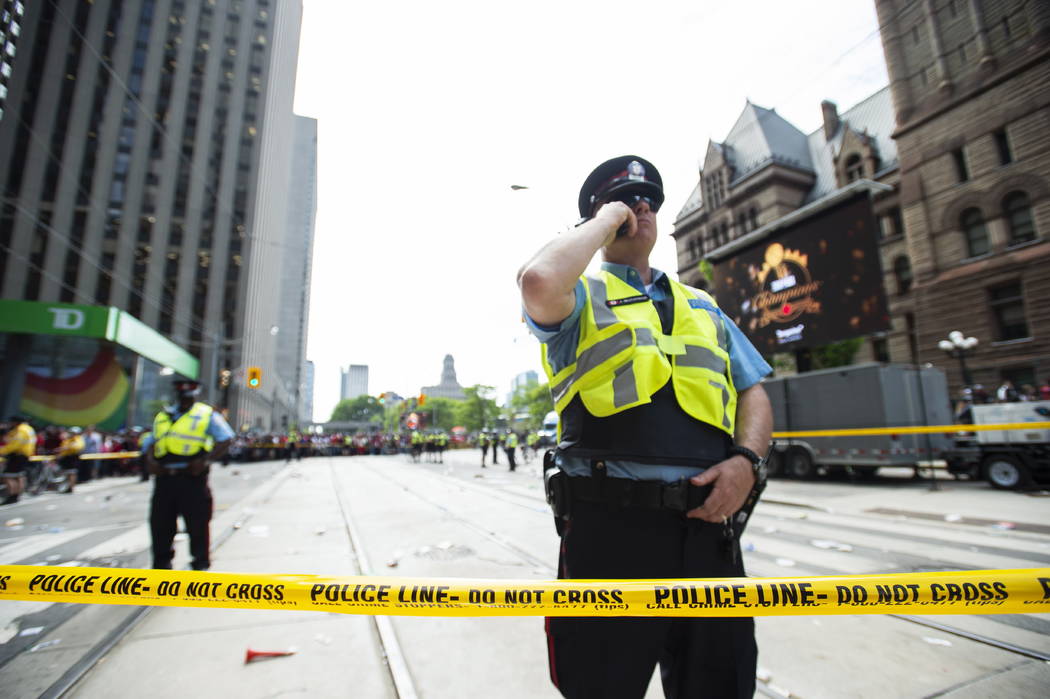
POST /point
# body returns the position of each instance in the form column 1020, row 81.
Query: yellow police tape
column 921, row 429
column 955, row 592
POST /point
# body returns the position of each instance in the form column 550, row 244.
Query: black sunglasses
column 631, row 200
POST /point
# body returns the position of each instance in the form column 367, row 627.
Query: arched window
column 972, row 223
column 754, row 218
column 902, row 271
column 1018, row 214
column 741, row 222
column 854, row 168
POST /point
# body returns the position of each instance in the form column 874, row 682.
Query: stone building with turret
column 449, row 386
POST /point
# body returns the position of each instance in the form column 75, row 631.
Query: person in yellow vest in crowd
column 661, row 419
column 19, row 445
column 509, row 446
column 442, row 445
column 292, row 446
column 483, row 444
column 69, row 451
column 186, row 438
column 417, row 445
column 530, row 442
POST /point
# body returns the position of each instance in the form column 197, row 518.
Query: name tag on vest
column 641, row 298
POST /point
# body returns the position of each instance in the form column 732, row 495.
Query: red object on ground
column 253, row 655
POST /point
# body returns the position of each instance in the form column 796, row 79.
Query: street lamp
column 959, row 347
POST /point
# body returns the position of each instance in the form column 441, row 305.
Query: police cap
column 621, row 176
column 186, row 387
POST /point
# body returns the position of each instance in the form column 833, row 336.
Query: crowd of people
column 20, row 442
column 67, row 446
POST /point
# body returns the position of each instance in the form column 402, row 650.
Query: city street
column 389, row 516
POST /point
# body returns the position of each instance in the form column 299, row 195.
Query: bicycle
column 42, row 475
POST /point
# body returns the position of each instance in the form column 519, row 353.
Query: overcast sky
column 428, row 112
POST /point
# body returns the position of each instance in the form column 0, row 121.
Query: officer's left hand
column 732, row 479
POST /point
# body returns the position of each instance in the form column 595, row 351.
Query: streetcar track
column 815, row 568
column 396, row 665
column 87, row 662
column 900, row 561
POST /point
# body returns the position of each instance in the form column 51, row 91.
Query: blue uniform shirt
column 747, row 365
column 218, row 429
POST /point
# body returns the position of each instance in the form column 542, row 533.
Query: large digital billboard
column 809, row 284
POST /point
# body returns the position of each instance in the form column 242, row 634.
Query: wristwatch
column 758, row 464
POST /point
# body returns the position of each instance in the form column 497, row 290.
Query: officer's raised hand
column 618, row 214
column 732, row 480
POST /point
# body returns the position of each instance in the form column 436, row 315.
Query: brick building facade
column 956, row 155
column 971, row 88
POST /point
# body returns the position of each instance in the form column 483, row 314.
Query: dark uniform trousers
column 615, row 657
column 185, row 495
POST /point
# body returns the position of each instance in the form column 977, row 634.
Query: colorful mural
column 96, row 396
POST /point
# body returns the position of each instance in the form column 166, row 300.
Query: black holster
column 556, row 488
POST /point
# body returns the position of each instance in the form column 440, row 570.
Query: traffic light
column 224, row 378
column 382, row 398
column 254, row 377
column 422, row 398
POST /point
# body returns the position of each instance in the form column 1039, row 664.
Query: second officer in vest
column 661, row 416
column 186, row 437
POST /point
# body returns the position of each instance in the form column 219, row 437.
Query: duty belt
column 653, row 495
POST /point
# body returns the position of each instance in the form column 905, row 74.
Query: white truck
column 858, row 396
column 1008, row 459
column 548, row 432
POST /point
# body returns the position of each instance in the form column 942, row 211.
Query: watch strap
column 737, row 450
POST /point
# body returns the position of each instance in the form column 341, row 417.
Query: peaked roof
column 875, row 117
column 760, row 137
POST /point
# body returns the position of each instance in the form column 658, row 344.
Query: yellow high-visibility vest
column 623, row 357
column 512, row 440
column 72, row 445
column 188, row 436
column 20, row 440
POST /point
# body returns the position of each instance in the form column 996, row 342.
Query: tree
column 440, row 413
column 836, row 353
column 360, row 409
column 535, row 400
column 479, row 409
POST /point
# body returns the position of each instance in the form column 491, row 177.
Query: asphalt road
column 458, row 520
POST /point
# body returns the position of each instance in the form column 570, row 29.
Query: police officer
column 19, row 445
column 509, row 446
column 178, row 454
column 661, row 419
column 68, row 455
column 483, row 443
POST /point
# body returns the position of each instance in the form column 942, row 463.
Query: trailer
column 852, row 397
column 1008, row 459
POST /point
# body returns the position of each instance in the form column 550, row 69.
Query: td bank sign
column 40, row 318
column 67, row 318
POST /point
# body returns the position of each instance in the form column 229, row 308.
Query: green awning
column 102, row 322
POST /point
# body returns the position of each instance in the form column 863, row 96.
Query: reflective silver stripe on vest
column 592, row 357
column 725, row 403
column 644, row 336
column 701, row 358
column 603, row 315
column 625, row 388
column 187, row 437
column 716, row 318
